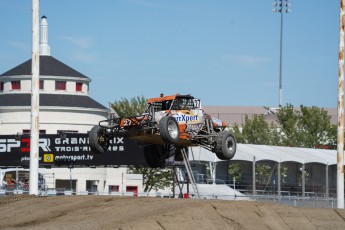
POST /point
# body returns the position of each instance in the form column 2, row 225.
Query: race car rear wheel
column 99, row 141
column 155, row 156
column 169, row 130
column 225, row 145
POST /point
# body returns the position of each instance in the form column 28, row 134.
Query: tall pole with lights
column 281, row 6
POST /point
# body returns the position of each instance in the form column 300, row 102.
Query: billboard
column 70, row 149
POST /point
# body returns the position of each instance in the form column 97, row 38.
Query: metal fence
column 307, row 202
column 295, row 201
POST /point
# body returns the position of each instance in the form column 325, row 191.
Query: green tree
column 264, row 173
column 315, row 126
column 307, row 127
column 236, row 130
column 256, row 131
column 267, row 171
column 235, row 170
column 275, row 135
column 333, row 133
column 153, row 178
column 288, row 119
column 132, row 107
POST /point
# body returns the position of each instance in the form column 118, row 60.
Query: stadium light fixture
column 281, row 6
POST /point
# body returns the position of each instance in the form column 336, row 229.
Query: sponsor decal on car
column 186, row 118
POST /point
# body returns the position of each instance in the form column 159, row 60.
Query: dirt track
column 108, row 212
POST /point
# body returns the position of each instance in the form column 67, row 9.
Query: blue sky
column 225, row 52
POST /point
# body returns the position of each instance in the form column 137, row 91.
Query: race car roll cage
column 147, row 124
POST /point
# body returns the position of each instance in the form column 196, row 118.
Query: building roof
column 56, row 100
column 250, row 152
column 49, row 66
column 236, row 114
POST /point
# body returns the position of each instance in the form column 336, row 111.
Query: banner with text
column 71, row 150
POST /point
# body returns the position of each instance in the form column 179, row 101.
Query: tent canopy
column 250, row 152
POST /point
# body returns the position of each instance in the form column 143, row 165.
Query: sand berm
column 112, row 212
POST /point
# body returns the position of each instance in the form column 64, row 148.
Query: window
column 28, row 131
column 133, row 189
column 79, row 87
column 15, row 85
column 1, row 86
column 114, row 188
column 41, row 84
column 60, row 85
column 183, row 103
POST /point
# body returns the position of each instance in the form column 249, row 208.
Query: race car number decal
column 127, row 122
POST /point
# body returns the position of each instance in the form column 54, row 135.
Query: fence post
column 327, row 182
column 303, row 180
column 279, row 180
column 254, row 178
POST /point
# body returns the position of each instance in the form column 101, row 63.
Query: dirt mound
column 109, row 212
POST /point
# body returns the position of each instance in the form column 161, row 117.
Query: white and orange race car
column 176, row 120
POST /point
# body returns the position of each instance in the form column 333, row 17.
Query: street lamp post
column 281, row 6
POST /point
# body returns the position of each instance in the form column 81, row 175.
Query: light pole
column 281, row 6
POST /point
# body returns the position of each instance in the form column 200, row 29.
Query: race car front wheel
column 225, row 145
column 99, row 141
column 169, row 130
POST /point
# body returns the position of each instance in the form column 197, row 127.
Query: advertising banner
column 71, row 149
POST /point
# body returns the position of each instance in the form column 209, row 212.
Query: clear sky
column 225, row 52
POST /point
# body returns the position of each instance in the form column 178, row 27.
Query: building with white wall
column 65, row 105
column 64, row 96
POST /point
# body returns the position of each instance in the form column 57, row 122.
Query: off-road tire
column 155, row 156
column 99, row 141
column 169, row 130
column 225, row 145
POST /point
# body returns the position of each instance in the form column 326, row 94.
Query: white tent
column 250, row 152
column 254, row 153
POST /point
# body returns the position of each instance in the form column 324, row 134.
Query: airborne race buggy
column 168, row 124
